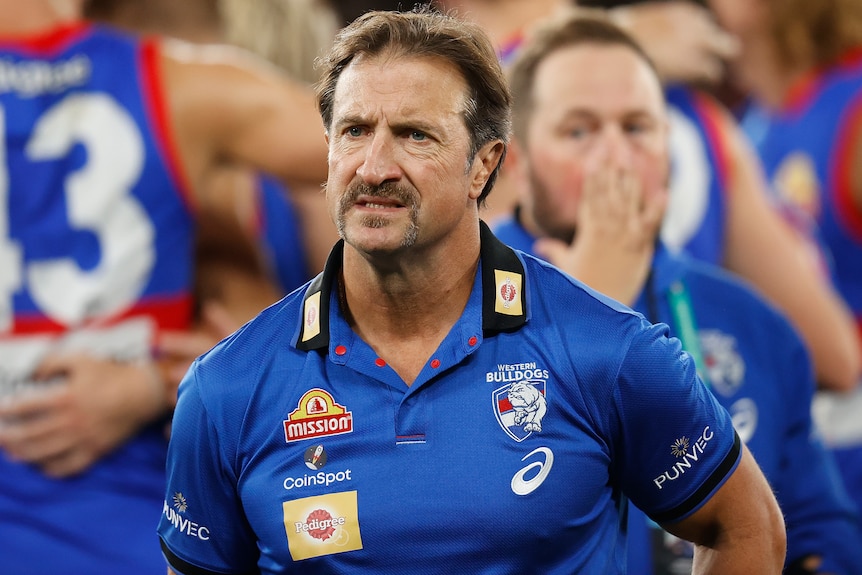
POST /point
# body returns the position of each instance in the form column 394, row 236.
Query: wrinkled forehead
column 402, row 84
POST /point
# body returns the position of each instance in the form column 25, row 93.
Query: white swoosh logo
column 523, row 486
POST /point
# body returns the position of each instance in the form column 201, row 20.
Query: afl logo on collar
column 508, row 292
column 311, row 317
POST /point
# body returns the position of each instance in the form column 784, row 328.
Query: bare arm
column 764, row 249
column 226, row 106
column 740, row 530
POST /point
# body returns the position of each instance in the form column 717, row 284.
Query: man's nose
column 380, row 164
column 614, row 147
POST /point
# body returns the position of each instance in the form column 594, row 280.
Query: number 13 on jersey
column 98, row 200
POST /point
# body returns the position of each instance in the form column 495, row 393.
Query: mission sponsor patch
column 317, row 415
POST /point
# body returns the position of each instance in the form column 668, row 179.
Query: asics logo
column 522, row 486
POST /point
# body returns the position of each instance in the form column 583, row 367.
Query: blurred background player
column 719, row 208
column 801, row 67
column 592, row 128
column 254, row 242
column 682, row 38
column 108, row 144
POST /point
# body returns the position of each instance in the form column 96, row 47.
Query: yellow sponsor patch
column 311, row 317
column 322, row 525
column 508, row 300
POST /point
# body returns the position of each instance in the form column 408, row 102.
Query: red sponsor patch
column 317, row 415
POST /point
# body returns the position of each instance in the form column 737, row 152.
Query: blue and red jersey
column 809, row 149
column 96, row 256
column 695, row 220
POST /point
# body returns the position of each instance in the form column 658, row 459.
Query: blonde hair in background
column 815, row 32
column 289, row 33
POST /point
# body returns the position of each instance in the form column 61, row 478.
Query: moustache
column 387, row 190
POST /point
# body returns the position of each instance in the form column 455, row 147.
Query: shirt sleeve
column 675, row 444
column 203, row 529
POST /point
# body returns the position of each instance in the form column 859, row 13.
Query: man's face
column 595, row 107
column 398, row 151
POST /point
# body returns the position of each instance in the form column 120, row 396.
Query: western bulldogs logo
column 724, row 366
column 520, row 407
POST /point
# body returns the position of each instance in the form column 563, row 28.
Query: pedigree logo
column 317, row 415
column 322, row 525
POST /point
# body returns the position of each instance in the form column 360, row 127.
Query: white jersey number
column 99, row 200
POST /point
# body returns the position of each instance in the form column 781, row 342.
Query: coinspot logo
column 315, row 457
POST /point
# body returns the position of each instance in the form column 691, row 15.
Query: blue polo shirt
column 758, row 369
column 296, row 449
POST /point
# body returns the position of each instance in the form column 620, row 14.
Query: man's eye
column 355, row 131
column 577, row 133
column 418, row 136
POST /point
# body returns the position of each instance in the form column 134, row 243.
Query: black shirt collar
column 504, row 301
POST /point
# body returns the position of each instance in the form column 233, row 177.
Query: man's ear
column 485, row 162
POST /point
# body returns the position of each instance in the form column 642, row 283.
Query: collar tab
column 314, row 332
column 504, row 301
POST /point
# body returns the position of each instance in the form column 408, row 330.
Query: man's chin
column 376, row 240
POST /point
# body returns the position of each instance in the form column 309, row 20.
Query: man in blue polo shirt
column 434, row 401
column 591, row 138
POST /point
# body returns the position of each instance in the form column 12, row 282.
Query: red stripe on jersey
column 802, row 91
column 50, row 42
column 847, row 152
column 159, row 116
column 168, row 313
column 711, row 116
